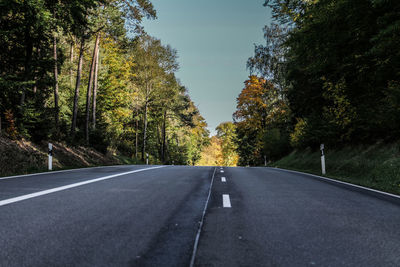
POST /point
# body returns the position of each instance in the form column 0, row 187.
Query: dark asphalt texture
column 151, row 218
column 284, row 219
column 148, row 218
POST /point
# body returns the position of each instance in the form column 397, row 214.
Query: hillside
column 22, row 156
column 376, row 166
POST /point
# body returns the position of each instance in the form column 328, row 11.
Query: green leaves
column 335, row 66
column 139, row 100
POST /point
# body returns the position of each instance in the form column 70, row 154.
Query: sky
column 214, row 39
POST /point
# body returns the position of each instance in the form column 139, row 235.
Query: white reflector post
column 50, row 156
column 323, row 165
column 322, row 147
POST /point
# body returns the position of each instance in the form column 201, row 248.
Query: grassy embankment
column 376, row 166
column 22, row 157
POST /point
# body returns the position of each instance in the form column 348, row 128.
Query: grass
column 128, row 160
column 375, row 166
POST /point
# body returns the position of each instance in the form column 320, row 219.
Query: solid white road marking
column 65, row 187
column 223, row 179
column 226, row 201
column 52, row 172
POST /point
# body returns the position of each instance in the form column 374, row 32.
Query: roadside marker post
column 322, row 147
column 147, row 158
column 265, row 160
column 50, row 156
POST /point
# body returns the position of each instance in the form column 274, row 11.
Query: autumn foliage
column 261, row 118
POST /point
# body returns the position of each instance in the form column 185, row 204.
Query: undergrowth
column 376, row 166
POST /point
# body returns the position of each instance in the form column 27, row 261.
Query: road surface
column 150, row 216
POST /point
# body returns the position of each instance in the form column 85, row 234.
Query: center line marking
column 223, row 179
column 65, row 187
column 226, row 201
column 222, row 171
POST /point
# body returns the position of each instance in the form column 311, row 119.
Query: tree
column 211, row 155
column 153, row 62
column 260, row 109
column 269, row 60
column 133, row 97
column 226, row 132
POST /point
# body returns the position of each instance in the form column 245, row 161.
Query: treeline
column 86, row 72
column 221, row 151
column 329, row 72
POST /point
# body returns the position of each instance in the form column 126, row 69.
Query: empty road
column 150, row 216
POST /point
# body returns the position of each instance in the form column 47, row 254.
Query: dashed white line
column 223, row 179
column 222, row 171
column 226, row 201
column 65, row 187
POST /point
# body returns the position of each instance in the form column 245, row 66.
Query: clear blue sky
column 214, row 39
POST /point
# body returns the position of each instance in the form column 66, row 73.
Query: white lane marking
column 226, row 201
column 222, row 171
column 223, row 179
column 65, row 187
column 51, row 172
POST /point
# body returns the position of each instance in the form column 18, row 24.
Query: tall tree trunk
column 35, row 85
column 136, row 139
column 145, row 128
column 163, row 136
column 89, row 90
column 77, row 85
column 96, row 70
column 27, row 65
column 137, row 130
column 159, row 138
column 35, row 74
column 56, row 108
column 71, row 61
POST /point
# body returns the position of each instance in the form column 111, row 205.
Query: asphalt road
column 146, row 216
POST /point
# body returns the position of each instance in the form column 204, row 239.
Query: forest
column 87, row 73
column 328, row 72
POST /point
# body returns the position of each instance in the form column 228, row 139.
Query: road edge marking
column 380, row 194
column 65, row 187
column 196, row 241
column 67, row 170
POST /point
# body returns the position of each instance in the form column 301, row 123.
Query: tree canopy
column 86, row 72
column 327, row 73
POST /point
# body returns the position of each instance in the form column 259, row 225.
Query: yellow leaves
column 340, row 112
column 212, row 154
column 260, row 103
column 296, row 138
column 250, row 99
